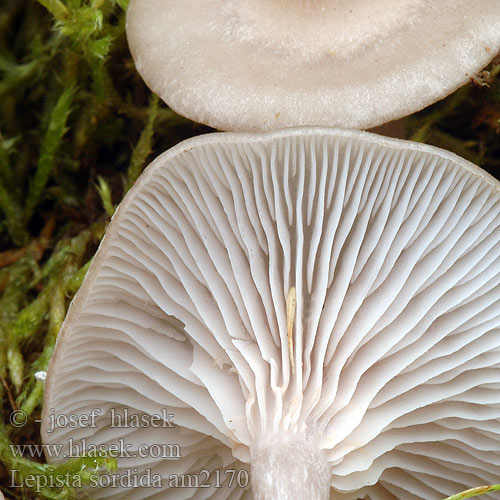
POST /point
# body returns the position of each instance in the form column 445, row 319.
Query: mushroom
column 265, row 64
column 297, row 314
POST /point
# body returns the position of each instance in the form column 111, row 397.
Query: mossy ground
column 77, row 126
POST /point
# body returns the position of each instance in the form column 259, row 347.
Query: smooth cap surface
column 266, row 64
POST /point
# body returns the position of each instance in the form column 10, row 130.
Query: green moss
column 76, row 129
column 77, row 126
column 474, row 492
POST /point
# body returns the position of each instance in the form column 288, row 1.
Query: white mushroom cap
column 264, row 64
column 387, row 383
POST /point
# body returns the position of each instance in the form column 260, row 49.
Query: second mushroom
column 305, row 314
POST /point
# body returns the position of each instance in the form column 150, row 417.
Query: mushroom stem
column 286, row 468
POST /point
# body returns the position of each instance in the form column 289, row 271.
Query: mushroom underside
column 384, row 373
